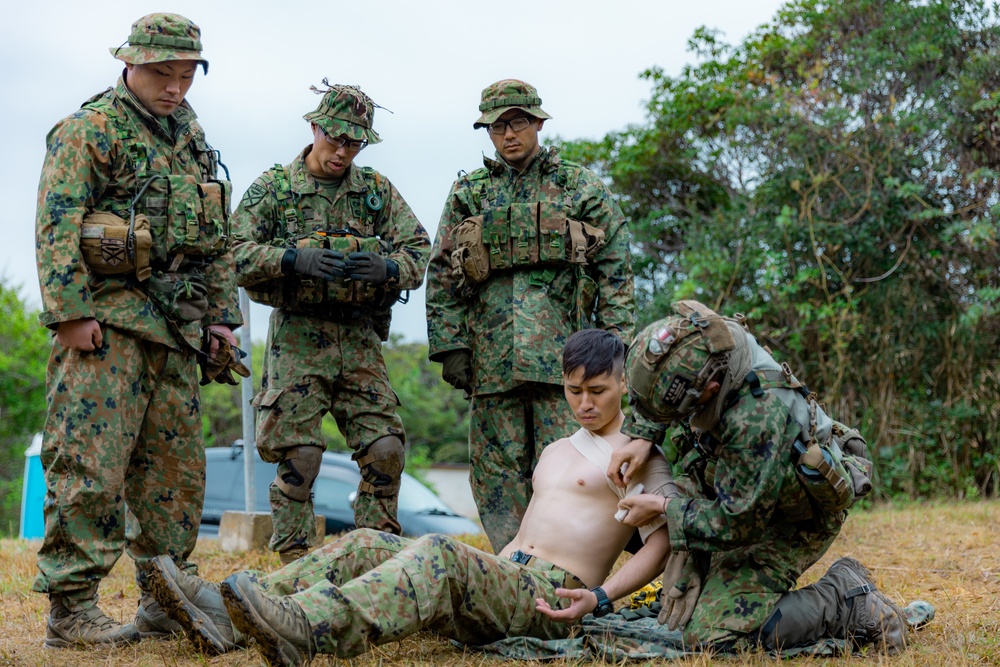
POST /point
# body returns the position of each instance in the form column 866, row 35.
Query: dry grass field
column 948, row 554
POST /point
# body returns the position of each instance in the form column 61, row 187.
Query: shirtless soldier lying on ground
column 369, row 588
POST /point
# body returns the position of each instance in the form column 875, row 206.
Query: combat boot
column 152, row 622
column 195, row 604
column 84, row 625
column 278, row 624
column 843, row 604
column 292, row 555
column 872, row 618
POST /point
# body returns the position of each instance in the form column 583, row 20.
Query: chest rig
column 182, row 219
column 534, row 235
column 341, row 299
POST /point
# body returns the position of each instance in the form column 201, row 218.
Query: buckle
column 864, row 589
column 520, row 557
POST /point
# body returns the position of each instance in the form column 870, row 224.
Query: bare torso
column 570, row 520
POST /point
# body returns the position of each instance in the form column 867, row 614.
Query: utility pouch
column 857, row 460
column 552, row 226
column 109, row 247
column 523, row 219
column 585, row 241
column 821, row 472
column 180, row 296
column 585, row 294
column 496, row 236
column 195, row 216
column 470, row 259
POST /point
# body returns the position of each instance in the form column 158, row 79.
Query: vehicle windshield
column 415, row 497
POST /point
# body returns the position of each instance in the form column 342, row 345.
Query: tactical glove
column 369, row 267
column 226, row 361
column 456, row 369
column 681, row 586
column 319, row 263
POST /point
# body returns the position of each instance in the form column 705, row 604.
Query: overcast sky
column 425, row 61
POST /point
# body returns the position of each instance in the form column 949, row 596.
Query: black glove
column 319, row 263
column 456, row 369
column 369, row 267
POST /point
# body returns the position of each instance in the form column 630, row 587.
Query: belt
column 570, row 580
column 333, row 312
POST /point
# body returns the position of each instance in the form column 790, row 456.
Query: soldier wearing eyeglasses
column 530, row 248
column 331, row 246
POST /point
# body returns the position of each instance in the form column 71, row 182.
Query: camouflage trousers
column 369, row 588
column 507, row 432
column 743, row 585
column 313, row 366
column 123, row 427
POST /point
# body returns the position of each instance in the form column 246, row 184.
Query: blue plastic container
column 33, row 492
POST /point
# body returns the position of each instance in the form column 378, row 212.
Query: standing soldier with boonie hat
column 331, row 246
column 137, row 286
column 529, row 249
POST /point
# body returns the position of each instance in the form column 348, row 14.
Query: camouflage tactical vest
column 521, row 235
column 315, row 295
column 188, row 215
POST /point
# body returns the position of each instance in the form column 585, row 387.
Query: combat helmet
column 505, row 95
column 672, row 360
column 157, row 38
column 345, row 110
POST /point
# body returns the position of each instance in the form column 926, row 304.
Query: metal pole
column 246, row 390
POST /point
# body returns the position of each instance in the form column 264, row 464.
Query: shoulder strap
column 283, row 193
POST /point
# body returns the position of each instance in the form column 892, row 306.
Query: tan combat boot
column 152, row 622
column 195, row 604
column 279, row 625
column 84, row 624
column 872, row 618
column 292, row 555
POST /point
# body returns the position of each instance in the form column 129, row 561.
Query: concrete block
column 248, row 531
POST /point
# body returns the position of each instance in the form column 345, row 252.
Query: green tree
column 834, row 177
column 24, row 350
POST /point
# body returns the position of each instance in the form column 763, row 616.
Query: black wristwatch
column 604, row 606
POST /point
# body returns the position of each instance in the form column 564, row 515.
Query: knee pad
column 381, row 467
column 297, row 471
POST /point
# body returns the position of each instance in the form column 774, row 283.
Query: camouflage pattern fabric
column 507, row 432
column 755, row 519
column 123, row 423
column 312, row 365
column 516, row 323
column 370, row 588
column 123, row 426
column 89, row 166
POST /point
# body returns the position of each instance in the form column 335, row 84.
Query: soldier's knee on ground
column 297, row 471
column 381, row 465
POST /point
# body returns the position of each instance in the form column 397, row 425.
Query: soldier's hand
column 225, row 331
column 581, row 603
column 681, row 588
column 369, row 267
column 632, row 456
column 83, row 335
column 456, row 369
column 319, row 263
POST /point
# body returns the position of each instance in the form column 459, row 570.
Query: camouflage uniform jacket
column 90, row 166
column 750, row 486
column 260, row 229
column 516, row 322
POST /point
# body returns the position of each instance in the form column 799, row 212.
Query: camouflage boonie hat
column 505, row 95
column 157, row 38
column 345, row 110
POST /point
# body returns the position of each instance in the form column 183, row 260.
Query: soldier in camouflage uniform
column 131, row 244
column 529, row 249
column 330, row 245
column 751, row 507
column 370, row 588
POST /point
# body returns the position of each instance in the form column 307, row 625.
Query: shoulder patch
column 253, row 195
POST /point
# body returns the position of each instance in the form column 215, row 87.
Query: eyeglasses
column 516, row 124
column 353, row 145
